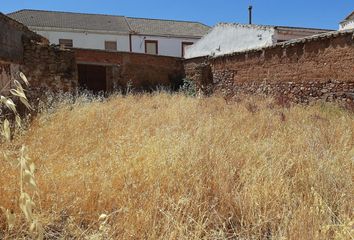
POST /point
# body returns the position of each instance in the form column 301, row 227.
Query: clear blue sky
column 301, row 13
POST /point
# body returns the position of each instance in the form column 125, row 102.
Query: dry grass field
column 167, row 166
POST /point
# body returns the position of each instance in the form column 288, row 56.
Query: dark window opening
column 66, row 43
column 110, row 46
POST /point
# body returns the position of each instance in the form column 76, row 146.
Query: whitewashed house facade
column 347, row 23
column 113, row 33
column 227, row 38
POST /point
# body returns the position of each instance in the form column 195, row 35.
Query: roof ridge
column 130, row 27
column 51, row 11
column 347, row 17
column 245, row 25
column 310, row 28
column 271, row 26
column 172, row 20
column 13, row 12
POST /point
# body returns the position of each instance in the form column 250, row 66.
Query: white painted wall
column 347, row 25
column 228, row 38
column 166, row 46
column 86, row 39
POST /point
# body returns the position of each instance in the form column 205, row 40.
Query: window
column 110, row 45
column 151, row 47
column 184, row 47
column 66, row 43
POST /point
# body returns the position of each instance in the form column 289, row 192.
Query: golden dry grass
column 172, row 167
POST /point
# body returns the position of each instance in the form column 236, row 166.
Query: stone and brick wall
column 319, row 67
column 11, row 36
column 49, row 67
column 141, row 71
column 199, row 70
column 46, row 67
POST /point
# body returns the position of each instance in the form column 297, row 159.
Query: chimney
column 250, row 14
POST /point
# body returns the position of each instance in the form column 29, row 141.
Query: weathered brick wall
column 46, row 67
column 49, row 67
column 142, row 71
column 199, row 70
column 11, row 34
column 320, row 67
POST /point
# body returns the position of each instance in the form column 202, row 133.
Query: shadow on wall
column 107, row 78
column 149, row 78
column 99, row 79
column 102, row 71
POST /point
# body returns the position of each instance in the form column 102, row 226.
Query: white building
column 227, row 38
column 113, row 33
column 347, row 23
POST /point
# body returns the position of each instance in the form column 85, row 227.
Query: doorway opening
column 92, row 78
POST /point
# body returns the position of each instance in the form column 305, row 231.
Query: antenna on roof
column 250, row 14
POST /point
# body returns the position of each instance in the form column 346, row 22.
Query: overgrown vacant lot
column 171, row 167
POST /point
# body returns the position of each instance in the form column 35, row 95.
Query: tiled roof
column 320, row 30
column 258, row 26
column 66, row 20
column 24, row 29
column 108, row 23
column 253, row 26
column 349, row 17
column 167, row 27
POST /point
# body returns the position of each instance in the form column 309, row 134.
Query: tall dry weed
column 27, row 168
column 172, row 167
